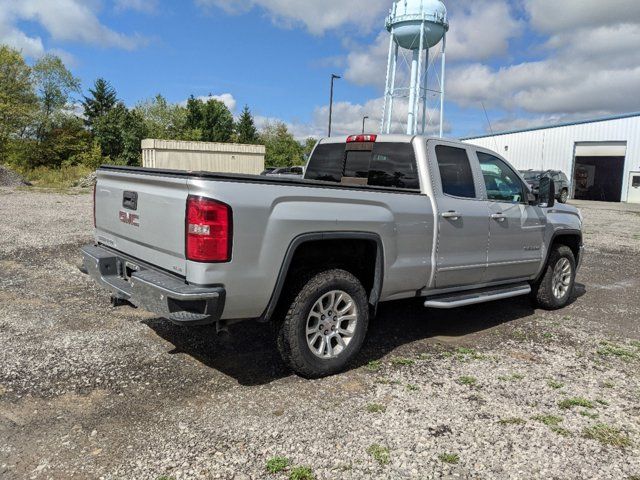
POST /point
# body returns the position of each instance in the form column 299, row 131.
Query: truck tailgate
column 144, row 216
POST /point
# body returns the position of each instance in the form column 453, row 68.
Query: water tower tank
column 406, row 22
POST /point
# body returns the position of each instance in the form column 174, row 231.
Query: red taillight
column 362, row 139
column 94, row 204
column 209, row 231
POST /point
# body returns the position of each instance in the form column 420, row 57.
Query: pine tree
column 246, row 128
column 103, row 98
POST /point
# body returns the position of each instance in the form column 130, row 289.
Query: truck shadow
column 248, row 352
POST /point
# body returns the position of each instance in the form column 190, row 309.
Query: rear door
column 463, row 230
column 143, row 215
column 516, row 229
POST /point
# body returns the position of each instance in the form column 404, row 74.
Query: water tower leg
column 413, row 92
column 387, row 91
column 392, row 89
column 424, row 94
column 444, row 62
column 416, row 109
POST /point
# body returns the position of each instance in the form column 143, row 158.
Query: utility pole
column 364, row 120
column 334, row 77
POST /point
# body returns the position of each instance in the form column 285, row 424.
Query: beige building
column 203, row 156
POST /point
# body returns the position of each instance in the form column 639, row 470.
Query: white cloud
column 144, row 6
column 64, row 20
column 318, row 16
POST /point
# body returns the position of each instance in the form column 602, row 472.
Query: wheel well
column 357, row 256
column 572, row 241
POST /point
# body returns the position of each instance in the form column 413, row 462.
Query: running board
column 463, row 299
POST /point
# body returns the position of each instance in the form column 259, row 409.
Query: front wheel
column 325, row 325
column 554, row 290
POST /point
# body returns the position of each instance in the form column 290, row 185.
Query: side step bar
column 462, row 299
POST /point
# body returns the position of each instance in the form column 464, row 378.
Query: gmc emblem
column 130, row 219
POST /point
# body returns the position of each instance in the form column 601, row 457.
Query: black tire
column 543, row 291
column 292, row 333
column 564, row 196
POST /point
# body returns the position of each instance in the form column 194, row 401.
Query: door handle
column 452, row 215
column 499, row 217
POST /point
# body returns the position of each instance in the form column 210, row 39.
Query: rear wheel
column 325, row 325
column 555, row 288
column 564, row 196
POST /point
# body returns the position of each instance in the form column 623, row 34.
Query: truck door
column 463, row 231
column 516, row 229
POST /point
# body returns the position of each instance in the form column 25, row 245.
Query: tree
column 164, row 120
column 18, row 101
column 54, row 83
column 119, row 133
column 308, row 146
column 67, row 138
column 246, row 131
column 194, row 113
column 282, row 149
column 217, row 122
column 102, row 99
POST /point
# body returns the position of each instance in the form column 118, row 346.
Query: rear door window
column 327, row 163
column 455, row 172
column 394, row 165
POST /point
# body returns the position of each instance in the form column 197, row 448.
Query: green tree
column 164, row 120
column 18, row 101
column 119, row 133
column 55, row 84
column 65, row 139
column 282, row 149
column 308, row 146
column 102, row 99
column 246, row 131
column 194, row 113
column 217, row 122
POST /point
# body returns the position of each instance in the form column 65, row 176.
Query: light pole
column 333, row 78
column 364, row 121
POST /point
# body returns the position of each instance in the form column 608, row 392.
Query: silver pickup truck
column 376, row 218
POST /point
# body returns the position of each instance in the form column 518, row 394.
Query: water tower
column 415, row 26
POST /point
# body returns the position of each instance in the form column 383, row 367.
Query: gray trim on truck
column 376, row 290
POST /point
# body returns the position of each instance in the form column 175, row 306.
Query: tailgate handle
column 130, row 200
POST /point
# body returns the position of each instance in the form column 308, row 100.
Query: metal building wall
column 203, row 156
column 553, row 148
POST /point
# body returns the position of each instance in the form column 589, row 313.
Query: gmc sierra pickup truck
column 375, row 218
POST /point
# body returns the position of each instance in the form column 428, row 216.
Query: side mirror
column 547, row 193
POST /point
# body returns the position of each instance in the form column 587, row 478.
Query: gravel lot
column 495, row 391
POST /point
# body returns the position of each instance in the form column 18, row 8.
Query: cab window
column 502, row 183
column 455, row 172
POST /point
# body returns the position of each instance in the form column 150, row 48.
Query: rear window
column 455, row 172
column 391, row 165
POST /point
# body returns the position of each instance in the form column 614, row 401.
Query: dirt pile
column 9, row 178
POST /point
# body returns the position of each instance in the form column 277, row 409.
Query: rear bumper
column 151, row 290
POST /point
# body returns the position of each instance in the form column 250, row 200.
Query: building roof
column 547, row 127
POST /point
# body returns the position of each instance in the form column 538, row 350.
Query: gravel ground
column 496, row 391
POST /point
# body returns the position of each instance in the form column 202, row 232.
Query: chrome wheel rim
column 561, row 278
column 331, row 324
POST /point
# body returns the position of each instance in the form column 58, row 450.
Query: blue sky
column 529, row 62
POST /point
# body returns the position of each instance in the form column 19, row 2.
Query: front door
column 634, row 188
column 516, row 229
column 463, row 230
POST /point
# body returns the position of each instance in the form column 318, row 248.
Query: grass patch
column 451, row 458
column 512, row 421
column 569, row 403
column 402, row 362
column 376, row 408
column 374, row 365
column 412, row 388
column 380, row 454
column 56, row 178
column 608, row 384
column 548, row 420
column 602, row 402
column 588, row 414
column 611, row 350
column 467, row 380
column 277, row 464
column 555, row 384
column 164, row 477
column 301, row 473
column 607, row 435
column 510, row 378
column 386, row 381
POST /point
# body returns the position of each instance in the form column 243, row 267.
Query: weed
column 386, row 381
column 374, row 365
column 561, row 431
column 413, row 388
column 452, row 458
column 547, row 336
column 512, row 421
column 590, row 415
column 555, row 384
column 56, row 178
column 376, row 408
column 512, row 377
column 611, row 350
column 466, row 380
column 602, row 402
column 548, row 420
column 277, row 464
column 607, row 435
column 608, row 384
column 301, row 473
column 568, row 403
column 424, row 356
column 636, row 343
column 380, row 454
column 164, row 477
column 402, row 362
